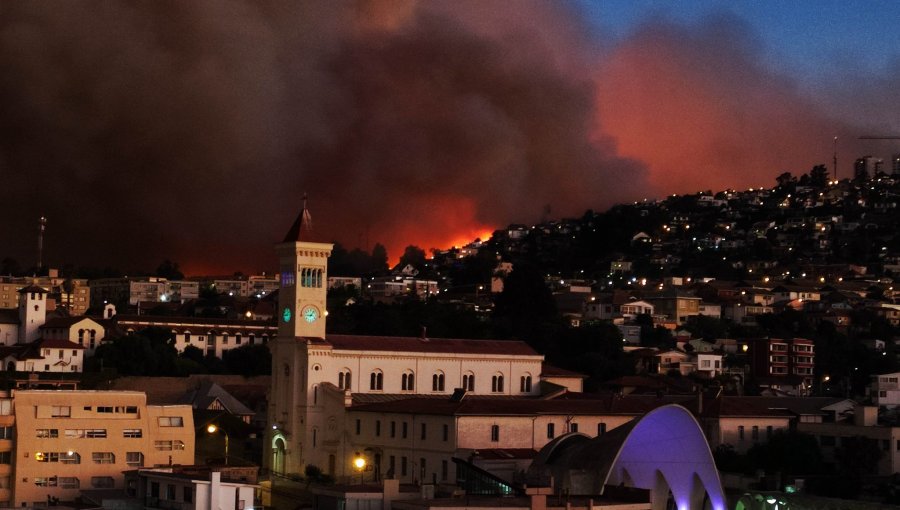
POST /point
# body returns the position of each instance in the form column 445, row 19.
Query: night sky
column 190, row 130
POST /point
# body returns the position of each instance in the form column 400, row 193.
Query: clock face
column 310, row 314
column 286, row 315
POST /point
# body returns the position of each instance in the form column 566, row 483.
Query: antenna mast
column 43, row 227
column 834, row 168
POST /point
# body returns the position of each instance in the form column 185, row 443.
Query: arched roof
column 665, row 444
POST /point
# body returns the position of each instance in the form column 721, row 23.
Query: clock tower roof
column 302, row 229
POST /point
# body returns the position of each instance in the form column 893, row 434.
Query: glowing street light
column 212, row 428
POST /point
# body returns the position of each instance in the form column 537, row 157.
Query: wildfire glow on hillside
column 191, row 130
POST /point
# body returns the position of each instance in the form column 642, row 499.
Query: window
column 61, row 411
column 69, row 482
column 446, row 432
column 376, row 381
column 403, row 466
column 601, row 429
column 404, row 430
column 6, row 406
column 344, row 380
column 315, row 436
column 104, row 409
column 437, row 382
column 103, row 458
column 525, row 384
column 103, row 482
column 187, row 494
column 393, row 429
column 740, row 432
column 45, row 482
column 408, row 382
column 755, row 433
column 497, row 383
column 573, row 427
column 95, row 433
column 469, row 382
column 392, row 464
column 70, row 458
column 551, row 431
column 377, row 427
column 132, row 433
column 495, row 433
column 424, row 434
column 444, row 470
column 6, row 457
column 134, row 459
column 167, row 446
column 769, row 431
column 45, row 433
column 171, row 421
column 358, row 426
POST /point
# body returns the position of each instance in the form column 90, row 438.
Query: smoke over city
column 191, row 130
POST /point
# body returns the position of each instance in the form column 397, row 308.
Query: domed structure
column 663, row 451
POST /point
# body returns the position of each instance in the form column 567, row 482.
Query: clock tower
column 296, row 413
column 303, row 271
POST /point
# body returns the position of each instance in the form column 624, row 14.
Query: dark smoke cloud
column 190, row 130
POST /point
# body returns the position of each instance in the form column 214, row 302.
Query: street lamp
column 359, row 462
column 212, row 428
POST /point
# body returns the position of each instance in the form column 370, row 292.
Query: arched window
column 81, row 336
column 525, row 386
column 315, row 394
column 376, row 381
column 497, row 383
column 468, row 382
column 93, row 338
column 187, row 337
column 437, row 382
column 237, row 338
column 408, row 381
column 344, row 379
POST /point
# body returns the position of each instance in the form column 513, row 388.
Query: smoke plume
column 191, row 130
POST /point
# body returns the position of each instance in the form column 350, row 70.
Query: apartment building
column 211, row 335
column 72, row 294
column 55, row 443
column 787, row 359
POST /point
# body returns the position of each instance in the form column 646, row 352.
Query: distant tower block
column 895, row 164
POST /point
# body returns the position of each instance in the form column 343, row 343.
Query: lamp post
column 212, row 428
column 359, row 462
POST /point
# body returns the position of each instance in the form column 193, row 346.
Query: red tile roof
column 429, row 345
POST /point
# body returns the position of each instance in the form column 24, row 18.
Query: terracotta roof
column 202, row 321
column 64, row 322
column 56, row 343
column 548, row 370
column 604, row 405
column 302, row 229
column 427, row 345
column 32, row 288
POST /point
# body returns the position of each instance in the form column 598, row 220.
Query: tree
column 9, row 266
column 818, row 176
column 789, row 452
column 858, row 456
column 379, row 259
column 413, row 256
column 169, row 270
column 248, row 360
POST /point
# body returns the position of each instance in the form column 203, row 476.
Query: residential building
column 784, row 359
column 66, row 441
column 211, row 335
column 70, row 294
column 884, row 390
column 194, row 487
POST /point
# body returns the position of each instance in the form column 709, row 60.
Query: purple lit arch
column 663, row 451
